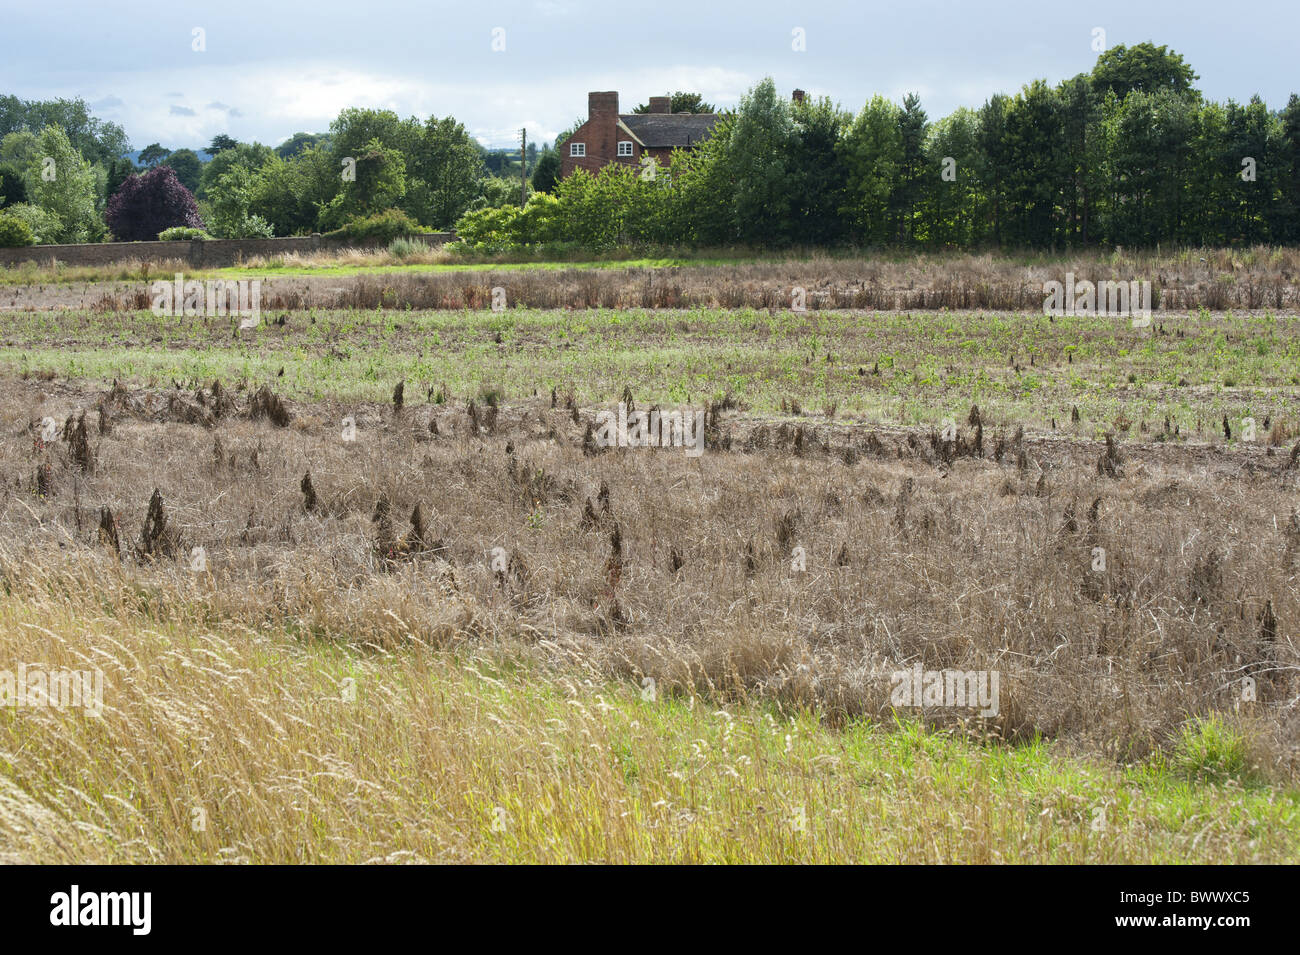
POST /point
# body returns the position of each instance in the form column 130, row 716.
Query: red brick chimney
column 602, row 104
column 661, row 104
column 797, row 96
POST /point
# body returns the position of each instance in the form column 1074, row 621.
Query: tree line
column 64, row 178
column 1128, row 154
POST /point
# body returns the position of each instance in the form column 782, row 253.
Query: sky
column 179, row 73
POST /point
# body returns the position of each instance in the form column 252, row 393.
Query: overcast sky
column 271, row 69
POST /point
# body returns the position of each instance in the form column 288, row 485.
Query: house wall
column 601, row 135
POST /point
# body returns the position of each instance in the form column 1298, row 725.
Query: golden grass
column 226, row 744
column 1217, row 281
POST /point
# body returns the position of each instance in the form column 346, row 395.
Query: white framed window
column 625, row 147
column 577, row 149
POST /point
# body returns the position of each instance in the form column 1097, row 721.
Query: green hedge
column 180, row 232
column 384, row 226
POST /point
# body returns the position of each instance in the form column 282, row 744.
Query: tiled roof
column 669, row 129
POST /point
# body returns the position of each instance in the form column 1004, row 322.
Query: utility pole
column 523, row 167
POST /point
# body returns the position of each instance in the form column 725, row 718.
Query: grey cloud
column 228, row 110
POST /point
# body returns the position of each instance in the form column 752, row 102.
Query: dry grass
column 1220, row 282
column 353, row 259
column 918, row 551
column 1215, row 279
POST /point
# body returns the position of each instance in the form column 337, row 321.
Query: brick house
column 610, row 136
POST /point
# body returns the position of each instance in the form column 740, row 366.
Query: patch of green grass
column 31, row 274
column 1210, row 749
column 887, row 367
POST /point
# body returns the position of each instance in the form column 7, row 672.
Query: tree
column 1286, row 220
column 298, row 142
column 445, row 169
column 1035, row 171
column 95, row 139
column 494, row 191
column 682, row 103
column 12, row 188
column 1212, row 177
column 63, row 184
column 379, row 184
column 701, row 190
column 44, row 227
column 248, row 156
column 906, row 198
column 500, row 162
column 1253, row 134
column 354, row 129
column 380, row 181
column 277, row 193
column 319, row 178
column 99, row 173
column 1144, row 68
column 19, row 149
column 612, row 208
column 1171, row 130
column 1130, row 164
column 353, row 135
column 14, row 232
column 188, row 166
column 220, row 143
column 117, row 173
column 953, row 192
column 148, row 203
column 818, row 173
column 1079, row 113
column 547, row 172
column 229, row 201
column 873, row 155
column 758, row 160
column 153, row 154
column 290, row 193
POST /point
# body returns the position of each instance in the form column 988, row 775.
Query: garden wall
column 200, row 253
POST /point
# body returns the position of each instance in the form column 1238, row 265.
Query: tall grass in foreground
column 229, row 744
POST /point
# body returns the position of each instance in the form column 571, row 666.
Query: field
column 473, row 634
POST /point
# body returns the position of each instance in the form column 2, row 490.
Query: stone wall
column 199, row 253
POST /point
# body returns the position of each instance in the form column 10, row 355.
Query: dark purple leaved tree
column 147, row 203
